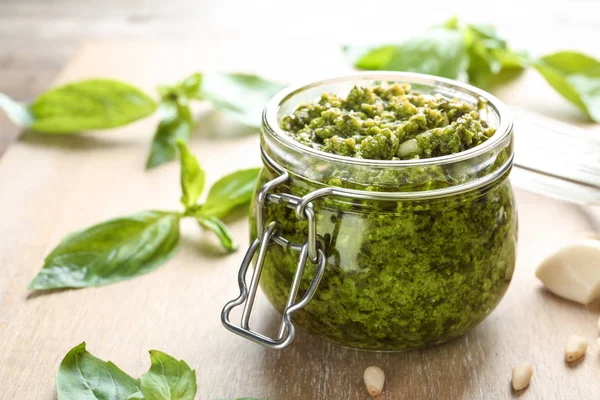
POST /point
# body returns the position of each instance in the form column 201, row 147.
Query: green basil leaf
column 219, row 228
column 488, row 33
column 81, row 376
column 488, row 54
column 482, row 63
column 229, row 192
column 452, row 23
column 576, row 77
column 189, row 88
column 176, row 122
column 370, row 58
column 111, row 251
column 192, row 176
column 242, row 96
column 17, row 112
column 437, row 51
column 572, row 62
column 168, row 379
column 89, row 105
column 511, row 59
column 136, row 396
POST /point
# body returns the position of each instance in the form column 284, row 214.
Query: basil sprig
column 227, row 194
column 83, row 376
column 454, row 50
column 126, row 247
column 242, row 96
column 437, row 51
column 175, row 122
column 488, row 55
column 175, row 119
column 95, row 104
column 477, row 54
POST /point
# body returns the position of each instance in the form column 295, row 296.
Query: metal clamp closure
column 309, row 251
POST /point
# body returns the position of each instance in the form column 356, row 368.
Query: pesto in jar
column 400, row 274
column 388, row 123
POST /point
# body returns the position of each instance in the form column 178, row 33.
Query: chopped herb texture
column 388, row 123
column 400, row 274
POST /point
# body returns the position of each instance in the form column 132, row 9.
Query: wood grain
column 50, row 186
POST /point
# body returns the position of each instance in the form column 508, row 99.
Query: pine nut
column 575, row 348
column 521, row 375
column 374, row 379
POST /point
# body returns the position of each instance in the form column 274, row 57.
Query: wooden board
column 50, row 186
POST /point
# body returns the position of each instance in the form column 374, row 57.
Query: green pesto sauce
column 400, row 274
column 388, row 123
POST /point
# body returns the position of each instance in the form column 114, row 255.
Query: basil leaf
column 437, row 51
column 510, row 59
column 219, row 228
column 176, row 122
column 188, row 88
column 242, row 96
column 230, row 192
column 576, row 77
column 192, row 176
column 88, row 105
column 81, row 376
column 482, row 62
column 168, row 379
column 488, row 33
column 488, row 54
column 17, row 112
column 452, row 23
column 370, row 58
column 111, row 251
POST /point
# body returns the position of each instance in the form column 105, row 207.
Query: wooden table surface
column 50, row 186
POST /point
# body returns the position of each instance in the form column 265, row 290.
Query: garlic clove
column 573, row 271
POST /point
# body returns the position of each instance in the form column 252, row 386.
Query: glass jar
column 380, row 254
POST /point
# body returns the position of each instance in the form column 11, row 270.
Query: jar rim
column 505, row 120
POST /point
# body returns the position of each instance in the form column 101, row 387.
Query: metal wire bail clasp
column 268, row 236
